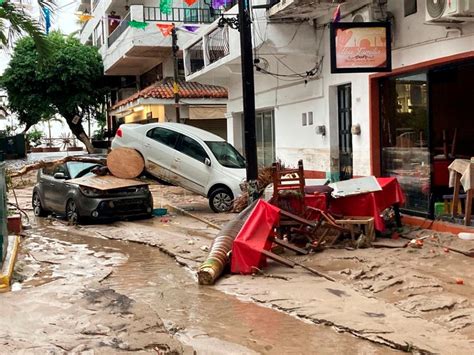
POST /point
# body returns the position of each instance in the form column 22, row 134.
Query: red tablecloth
column 370, row 204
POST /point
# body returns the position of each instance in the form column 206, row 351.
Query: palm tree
column 14, row 22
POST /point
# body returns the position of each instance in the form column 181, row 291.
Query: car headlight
column 90, row 192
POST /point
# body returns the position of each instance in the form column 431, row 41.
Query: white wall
column 296, row 45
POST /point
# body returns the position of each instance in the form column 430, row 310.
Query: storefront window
column 404, row 137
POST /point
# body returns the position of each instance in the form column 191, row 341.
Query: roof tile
column 187, row 90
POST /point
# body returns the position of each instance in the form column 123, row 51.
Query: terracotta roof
column 187, row 90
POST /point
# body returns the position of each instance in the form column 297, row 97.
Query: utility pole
column 248, row 91
column 174, row 45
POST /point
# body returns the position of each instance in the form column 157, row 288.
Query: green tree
column 69, row 81
column 14, row 22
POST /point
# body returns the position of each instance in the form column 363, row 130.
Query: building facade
column 139, row 59
column 408, row 123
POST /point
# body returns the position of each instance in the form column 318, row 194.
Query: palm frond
column 21, row 23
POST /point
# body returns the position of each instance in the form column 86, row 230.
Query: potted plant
column 14, row 223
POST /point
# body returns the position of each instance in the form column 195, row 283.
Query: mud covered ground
column 383, row 300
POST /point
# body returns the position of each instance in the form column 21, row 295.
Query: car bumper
column 118, row 207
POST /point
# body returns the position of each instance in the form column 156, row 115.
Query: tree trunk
column 78, row 131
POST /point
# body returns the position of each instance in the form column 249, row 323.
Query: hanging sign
column 358, row 47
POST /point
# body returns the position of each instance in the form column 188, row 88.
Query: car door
column 189, row 165
column 46, row 182
column 160, row 146
column 59, row 189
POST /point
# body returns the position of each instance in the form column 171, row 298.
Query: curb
column 9, row 264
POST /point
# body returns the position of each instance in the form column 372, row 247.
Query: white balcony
column 132, row 51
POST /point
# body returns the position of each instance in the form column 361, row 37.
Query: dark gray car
column 53, row 193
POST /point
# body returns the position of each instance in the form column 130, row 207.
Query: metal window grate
column 196, row 57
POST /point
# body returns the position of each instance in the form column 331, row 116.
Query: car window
column 77, row 168
column 192, row 148
column 227, row 155
column 164, row 136
column 60, row 169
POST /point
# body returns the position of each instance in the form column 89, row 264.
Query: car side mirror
column 59, row 176
column 207, row 161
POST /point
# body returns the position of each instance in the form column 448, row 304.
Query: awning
column 207, row 112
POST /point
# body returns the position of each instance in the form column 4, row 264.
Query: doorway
column 265, row 134
column 344, row 112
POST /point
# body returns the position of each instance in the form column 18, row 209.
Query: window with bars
column 218, row 44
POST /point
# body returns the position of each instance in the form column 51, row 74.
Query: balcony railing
column 195, row 60
column 218, row 44
column 119, row 30
column 182, row 14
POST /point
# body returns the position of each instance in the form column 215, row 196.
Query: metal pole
column 175, row 48
column 250, row 140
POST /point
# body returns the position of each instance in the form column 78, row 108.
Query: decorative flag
column 165, row 6
column 189, row 28
column 138, row 24
column 165, row 28
column 219, row 3
column 190, row 2
column 85, row 17
column 1, row 2
column 337, row 14
column 47, row 19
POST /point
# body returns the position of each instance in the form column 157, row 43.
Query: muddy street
column 111, row 295
column 130, row 286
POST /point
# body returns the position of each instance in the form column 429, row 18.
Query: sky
column 63, row 19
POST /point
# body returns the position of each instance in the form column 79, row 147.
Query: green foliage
column 69, row 81
column 34, row 137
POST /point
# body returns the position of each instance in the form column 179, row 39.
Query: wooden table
column 461, row 172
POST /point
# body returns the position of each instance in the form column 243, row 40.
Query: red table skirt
column 370, row 204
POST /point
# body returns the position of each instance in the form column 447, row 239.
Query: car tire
column 72, row 214
column 220, row 200
column 38, row 209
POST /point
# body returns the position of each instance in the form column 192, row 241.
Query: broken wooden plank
column 289, row 246
column 278, row 258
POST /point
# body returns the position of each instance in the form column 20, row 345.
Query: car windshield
column 227, row 155
column 80, row 169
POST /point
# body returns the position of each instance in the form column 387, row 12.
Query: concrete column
column 136, row 13
column 235, row 130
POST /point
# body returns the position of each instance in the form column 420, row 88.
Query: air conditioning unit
column 449, row 11
column 371, row 13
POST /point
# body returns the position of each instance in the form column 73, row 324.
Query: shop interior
column 426, row 123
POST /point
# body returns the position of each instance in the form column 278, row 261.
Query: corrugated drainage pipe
column 219, row 256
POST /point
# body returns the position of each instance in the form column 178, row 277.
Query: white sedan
column 189, row 157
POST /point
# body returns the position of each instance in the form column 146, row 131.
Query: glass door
column 265, row 132
column 405, row 152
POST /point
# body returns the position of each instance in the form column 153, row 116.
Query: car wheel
column 220, row 200
column 72, row 214
column 38, row 209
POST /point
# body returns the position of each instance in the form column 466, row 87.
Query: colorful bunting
column 189, row 28
column 1, row 2
column 165, row 28
column 190, row 2
column 138, row 24
column 219, row 3
column 47, row 19
column 85, row 17
column 165, row 6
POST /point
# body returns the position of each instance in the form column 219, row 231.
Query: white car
column 189, row 157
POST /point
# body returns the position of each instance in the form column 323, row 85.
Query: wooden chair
column 288, row 187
